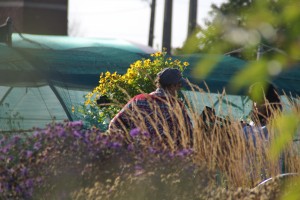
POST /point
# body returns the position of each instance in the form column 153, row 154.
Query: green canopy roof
column 46, row 77
column 72, row 62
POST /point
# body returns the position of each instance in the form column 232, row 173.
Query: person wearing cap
column 266, row 102
column 159, row 113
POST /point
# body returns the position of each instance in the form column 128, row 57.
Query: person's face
column 178, row 86
column 254, row 106
column 258, row 107
column 175, row 88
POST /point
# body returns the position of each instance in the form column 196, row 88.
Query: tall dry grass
column 221, row 145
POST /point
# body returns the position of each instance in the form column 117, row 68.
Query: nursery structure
column 45, row 78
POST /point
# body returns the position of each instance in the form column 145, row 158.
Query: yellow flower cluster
column 139, row 77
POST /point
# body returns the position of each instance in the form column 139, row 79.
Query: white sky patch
column 129, row 19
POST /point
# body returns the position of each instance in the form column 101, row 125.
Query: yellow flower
column 114, row 74
column 87, row 102
column 186, row 64
column 156, row 61
column 123, row 77
column 129, row 71
column 157, row 54
column 147, row 62
column 177, row 62
column 138, row 63
column 130, row 81
column 130, row 75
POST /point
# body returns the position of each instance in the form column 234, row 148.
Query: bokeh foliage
column 241, row 28
column 265, row 32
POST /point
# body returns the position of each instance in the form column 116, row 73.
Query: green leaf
column 291, row 191
column 285, row 127
column 204, row 67
column 291, row 11
column 254, row 72
column 191, row 45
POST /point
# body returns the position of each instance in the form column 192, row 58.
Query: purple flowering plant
column 64, row 157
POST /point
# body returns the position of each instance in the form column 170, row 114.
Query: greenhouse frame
column 44, row 78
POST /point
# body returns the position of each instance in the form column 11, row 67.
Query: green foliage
column 12, row 119
column 263, row 30
column 139, row 78
column 266, row 31
column 286, row 127
column 239, row 27
column 291, row 190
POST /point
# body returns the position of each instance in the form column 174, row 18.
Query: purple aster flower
column 29, row 183
column 76, row 124
column 130, row 147
column 77, row 134
column 24, row 171
column 18, row 190
column 37, row 145
column 115, row 145
column 151, row 150
column 36, row 134
column 86, row 140
column 184, row 152
column 2, row 141
column 16, row 138
column 28, row 154
column 135, row 132
column 146, row 134
column 5, row 149
column 171, row 155
column 61, row 133
column 138, row 167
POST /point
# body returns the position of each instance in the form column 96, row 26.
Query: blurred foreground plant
column 266, row 32
column 67, row 161
column 63, row 158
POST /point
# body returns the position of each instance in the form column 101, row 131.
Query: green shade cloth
column 43, row 78
column 46, row 77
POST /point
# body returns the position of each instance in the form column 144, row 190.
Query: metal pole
column 152, row 19
column 167, row 27
column 259, row 52
column 192, row 16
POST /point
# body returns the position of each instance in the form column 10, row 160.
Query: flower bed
column 65, row 161
column 62, row 158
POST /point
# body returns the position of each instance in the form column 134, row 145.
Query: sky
column 129, row 19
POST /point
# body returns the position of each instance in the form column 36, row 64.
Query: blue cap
column 170, row 76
